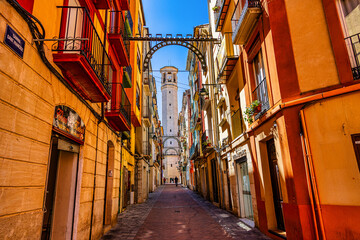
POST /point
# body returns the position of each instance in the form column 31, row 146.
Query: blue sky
column 173, row 17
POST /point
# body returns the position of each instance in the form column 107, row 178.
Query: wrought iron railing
column 353, row 46
column 207, row 139
column 128, row 73
column 79, row 35
column 240, row 11
column 218, row 5
column 117, row 26
column 227, row 49
column 236, row 123
column 260, row 93
column 123, row 106
column 192, row 150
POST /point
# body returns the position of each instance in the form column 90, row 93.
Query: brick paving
column 178, row 213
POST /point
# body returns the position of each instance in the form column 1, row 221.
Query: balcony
column 244, row 19
column 116, row 37
column 194, row 151
column 198, row 123
column 146, row 81
column 127, row 77
column 146, row 115
column 205, row 100
column 125, row 4
column 353, row 46
column 260, row 93
column 102, row 4
column 220, row 15
column 118, row 111
column 207, row 143
column 146, row 148
column 128, row 23
column 81, row 55
column 221, row 101
column 236, row 123
column 227, row 58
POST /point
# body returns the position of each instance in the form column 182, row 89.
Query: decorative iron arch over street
column 179, row 40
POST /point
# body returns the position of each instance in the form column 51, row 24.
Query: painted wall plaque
column 67, row 122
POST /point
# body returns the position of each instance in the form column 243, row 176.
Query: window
column 170, row 130
column 138, row 60
column 170, row 117
column 260, row 92
column 171, row 165
column 170, row 142
column 139, row 25
column 169, row 91
column 349, row 11
column 138, row 97
column 163, row 77
column 169, row 104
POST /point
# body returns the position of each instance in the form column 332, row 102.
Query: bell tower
column 169, row 90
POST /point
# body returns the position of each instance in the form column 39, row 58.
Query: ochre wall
column 29, row 94
column 314, row 59
column 330, row 124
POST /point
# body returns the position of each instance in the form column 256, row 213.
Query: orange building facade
column 298, row 65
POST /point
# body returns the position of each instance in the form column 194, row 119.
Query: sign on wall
column 67, row 122
column 14, row 41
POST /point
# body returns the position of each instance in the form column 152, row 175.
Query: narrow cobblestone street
column 178, row 213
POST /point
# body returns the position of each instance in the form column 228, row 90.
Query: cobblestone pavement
column 178, row 213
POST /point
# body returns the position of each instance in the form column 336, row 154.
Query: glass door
column 245, row 184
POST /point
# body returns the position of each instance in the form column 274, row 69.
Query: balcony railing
column 353, row 46
column 117, row 37
column 244, row 20
column 80, row 40
column 207, row 142
column 236, row 123
column 118, row 111
column 220, row 14
column 127, row 77
column 260, row 93
column 146, row 148
column 227, row 57
column 193, row 151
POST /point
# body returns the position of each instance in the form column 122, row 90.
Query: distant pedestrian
column 176, row 180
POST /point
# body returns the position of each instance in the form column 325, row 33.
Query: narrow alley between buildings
column 178, row 213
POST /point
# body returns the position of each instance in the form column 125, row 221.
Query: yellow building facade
column 63, row 154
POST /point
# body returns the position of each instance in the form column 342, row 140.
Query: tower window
column 170, row 117
column 170, row 130
column 170, row 142
column 169, row 91
column 171, row 165
column 169, row 104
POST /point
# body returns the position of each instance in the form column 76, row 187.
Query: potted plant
column 254, row 108
column 216, row 8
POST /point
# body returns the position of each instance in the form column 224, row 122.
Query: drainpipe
column 311, row 180
column 95, row 172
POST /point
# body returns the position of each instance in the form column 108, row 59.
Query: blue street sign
column 14, row 41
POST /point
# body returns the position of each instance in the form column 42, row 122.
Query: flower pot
column 257, row 109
